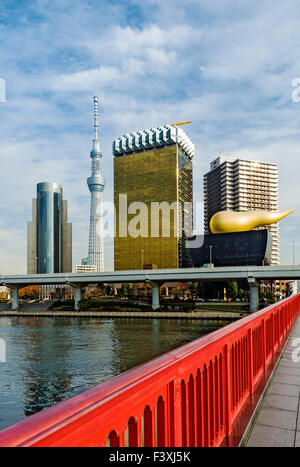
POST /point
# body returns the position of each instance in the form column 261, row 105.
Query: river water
column 50, row 359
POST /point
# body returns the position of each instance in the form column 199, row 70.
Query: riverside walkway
column 128, row 314
column 276, row 422
column 41, row 310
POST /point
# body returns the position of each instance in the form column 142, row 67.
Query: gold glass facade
column 142, row 237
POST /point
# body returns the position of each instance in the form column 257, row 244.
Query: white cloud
column 86, row 80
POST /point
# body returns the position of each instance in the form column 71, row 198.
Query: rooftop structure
column 85, row 268
column 153, row 138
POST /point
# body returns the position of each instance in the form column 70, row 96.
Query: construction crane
column 181, row 123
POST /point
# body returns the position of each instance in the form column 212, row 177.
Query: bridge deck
column 276, row 422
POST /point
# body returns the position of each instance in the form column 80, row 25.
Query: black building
column 251, row 248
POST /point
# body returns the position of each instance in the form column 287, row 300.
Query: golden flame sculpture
column 232, row 221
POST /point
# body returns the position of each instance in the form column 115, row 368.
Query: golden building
column 153, row 197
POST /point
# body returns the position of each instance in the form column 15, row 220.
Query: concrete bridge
column 156, row 277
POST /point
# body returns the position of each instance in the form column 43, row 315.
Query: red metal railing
column 188, row 397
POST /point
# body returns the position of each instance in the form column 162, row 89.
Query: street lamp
column 210, row 254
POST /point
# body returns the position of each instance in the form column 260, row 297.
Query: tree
column 209, row 290
column 31, row 291
column 247, row 296
column 107, row 290
column 241, row 295
column 232, row 290
column 270, row 296
column 194, row 289
column 124, row 290
column 262, row 296
column 134, row 291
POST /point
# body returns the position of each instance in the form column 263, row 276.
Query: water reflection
column 50, row 359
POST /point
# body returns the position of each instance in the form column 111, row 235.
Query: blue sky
column 226, row 65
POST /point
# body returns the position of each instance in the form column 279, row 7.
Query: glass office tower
column 49, row 233
column 153, row 167
column 49, row 207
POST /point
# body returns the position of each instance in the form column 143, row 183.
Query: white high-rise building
column 96, row 187
column 242, row 185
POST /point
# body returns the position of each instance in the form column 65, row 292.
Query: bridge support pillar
column 155, row 294
column 77, row 295
column 15, row 298
column 254, row 294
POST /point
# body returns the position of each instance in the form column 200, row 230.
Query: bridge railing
column 190, row 396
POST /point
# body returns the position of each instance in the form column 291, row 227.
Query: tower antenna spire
column 96, row 142
column 96, row 101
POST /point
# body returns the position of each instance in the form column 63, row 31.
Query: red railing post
column 177, row 414
column 212, row 409
column 170, row 416
column 191, row 411
column 217, row 401
column 240, row 374
column 207, row 406
column 199, row 410
column 273, row 335
column 285, row 320
column 263, row 343
column 187, row 411
column 227, row 385
column 250, row 361
column 279, row 322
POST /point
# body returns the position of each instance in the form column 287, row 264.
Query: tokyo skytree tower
column 96, row 185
